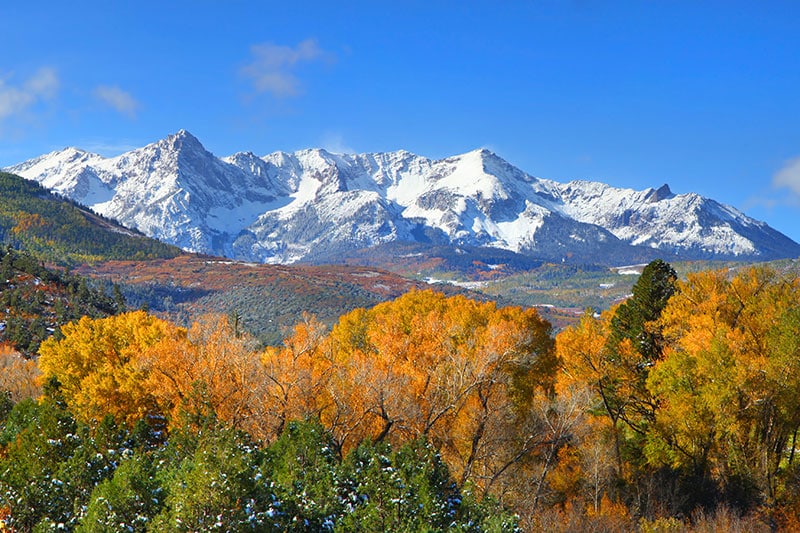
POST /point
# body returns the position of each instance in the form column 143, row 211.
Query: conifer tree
column 635, row 318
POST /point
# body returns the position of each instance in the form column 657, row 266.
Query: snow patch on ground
column 463, row 284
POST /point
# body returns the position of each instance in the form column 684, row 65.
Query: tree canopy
column 677, row 409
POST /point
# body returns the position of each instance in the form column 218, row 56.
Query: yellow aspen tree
column 98, row 364
column 726, row 384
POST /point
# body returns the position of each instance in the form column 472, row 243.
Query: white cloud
column 43, row 85
column 784, row 190
column 118, row 99
column 271, row 70
column 788, row 177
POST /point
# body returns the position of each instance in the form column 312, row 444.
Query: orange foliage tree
column 296, row 378
column 98, row 364
column 213, row 370
column 461, row 373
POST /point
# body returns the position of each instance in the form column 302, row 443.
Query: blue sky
column 704, row 96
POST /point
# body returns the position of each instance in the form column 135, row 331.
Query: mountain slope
column 56, row 230
column 35, row 301
column 312, row 205
column 678, row 224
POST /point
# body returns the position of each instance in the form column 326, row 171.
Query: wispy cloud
column 334, row 142
column 784, row 189
column 788, row 177
column 117, row 99
column 272, row 67
column 14, row 100
column 108, row 148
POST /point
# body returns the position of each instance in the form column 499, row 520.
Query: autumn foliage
column 679, row 406
column 460, row 373
column 708, row 416
column 99, row 365
column 19, row 377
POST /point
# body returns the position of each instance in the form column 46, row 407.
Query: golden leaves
column 100, row 364
column 462, row 373
column 18, row 376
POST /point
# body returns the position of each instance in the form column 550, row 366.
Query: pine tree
column 635, row 344
column 119, row 299
column 634, row 318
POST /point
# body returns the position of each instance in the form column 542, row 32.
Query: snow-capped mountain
column 313, row 205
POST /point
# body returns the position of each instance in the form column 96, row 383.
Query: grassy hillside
column 59, row 231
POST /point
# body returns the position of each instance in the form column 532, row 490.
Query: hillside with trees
column 675, row 410
column 35, row 301
column 59, row 231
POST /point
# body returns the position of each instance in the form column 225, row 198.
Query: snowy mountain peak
column 314, row 205
column 183, row 136
column 181, row 144
column 478, row 154
column 71, row 154
column 54, row 162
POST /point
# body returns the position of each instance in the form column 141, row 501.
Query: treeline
column 677, row 410
column 62, row 232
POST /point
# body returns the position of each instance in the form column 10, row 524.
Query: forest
column 675, row 410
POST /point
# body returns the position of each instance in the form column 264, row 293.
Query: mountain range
column 317, row 206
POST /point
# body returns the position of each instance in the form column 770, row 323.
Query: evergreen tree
column 634, row 319
column 409, row 490
column 127, row 501
column 219, row 487
column 635, row 322
column 7, row 265
column 632, row 346
column 37, row 439
column 119, row 299
column 302, row 464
